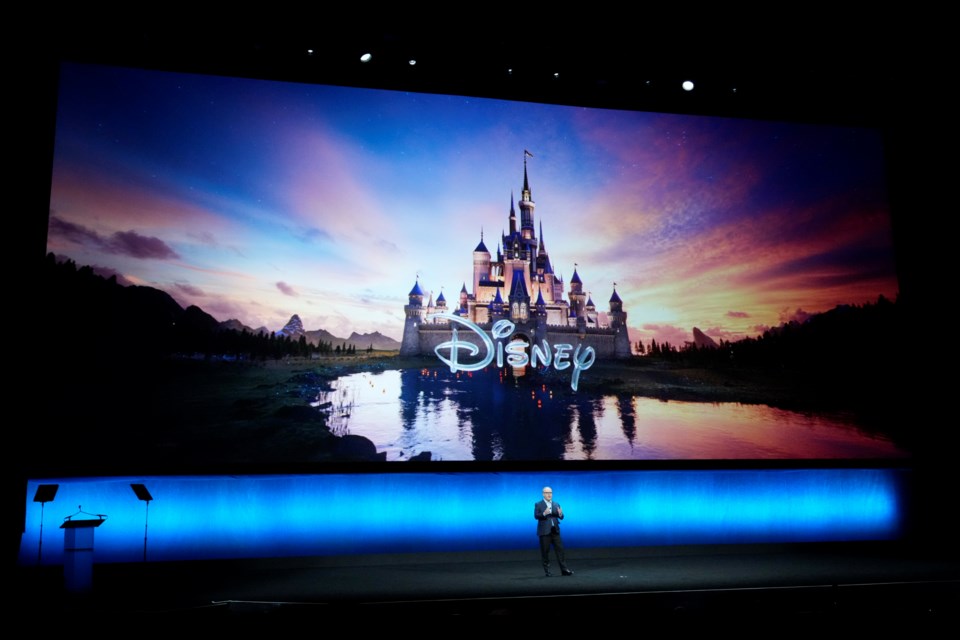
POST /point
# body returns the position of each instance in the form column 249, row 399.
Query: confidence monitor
column 261, row 273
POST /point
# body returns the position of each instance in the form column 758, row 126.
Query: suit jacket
column 544, row 523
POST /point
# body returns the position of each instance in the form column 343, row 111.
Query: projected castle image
column 522, row 287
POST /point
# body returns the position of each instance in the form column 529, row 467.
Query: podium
column 78, row 553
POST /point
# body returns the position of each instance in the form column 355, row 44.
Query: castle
column 519, row 286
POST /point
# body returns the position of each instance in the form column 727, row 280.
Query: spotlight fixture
column 309, row 52
column 366, row 57
column 412, row 62
column 556, row 75
column 687, row 85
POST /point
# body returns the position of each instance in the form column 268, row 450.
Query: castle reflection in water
column 494, row 414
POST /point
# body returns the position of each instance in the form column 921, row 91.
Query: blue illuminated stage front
column 206, row 517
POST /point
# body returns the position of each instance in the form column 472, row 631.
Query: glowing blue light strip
column 269, row 516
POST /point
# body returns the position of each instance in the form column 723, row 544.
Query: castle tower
column 557, row 288
column 526, row 209
column 618, row 322
column 544, row 271
column 413, row 313
column 481, row 266
column 578, row 299
column 591, row 310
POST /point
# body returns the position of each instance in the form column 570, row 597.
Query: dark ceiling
column 812, row 70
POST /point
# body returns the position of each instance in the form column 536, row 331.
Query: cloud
column 799, row 315
column 217, row 272
column 312, row 234
column 737, row 314
column 133, row 244
column 221, row 309
column 189, row 289
column 75, row 233
column 286, row 289
column 205, row 237
column 667, row 333
column 387, row 246
column 720, row 333
column 128, row 243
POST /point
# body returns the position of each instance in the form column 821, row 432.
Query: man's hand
column 546, row 511
column 560, row 511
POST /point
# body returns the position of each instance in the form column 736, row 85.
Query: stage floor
column 870, row 581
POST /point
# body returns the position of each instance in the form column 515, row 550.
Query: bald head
column 547, row 493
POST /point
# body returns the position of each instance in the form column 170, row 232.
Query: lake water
column 490, row 415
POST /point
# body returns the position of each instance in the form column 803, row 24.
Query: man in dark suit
column 549, row 514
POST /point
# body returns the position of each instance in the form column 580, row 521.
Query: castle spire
column 615, row 298
column 526, row 209
column 526, row 183
column 416, row 291
column 482, row 247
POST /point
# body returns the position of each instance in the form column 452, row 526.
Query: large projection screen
column 252, row 272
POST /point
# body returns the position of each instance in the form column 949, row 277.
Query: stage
column 848, row 581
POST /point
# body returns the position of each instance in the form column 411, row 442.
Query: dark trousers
column 552, row 538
